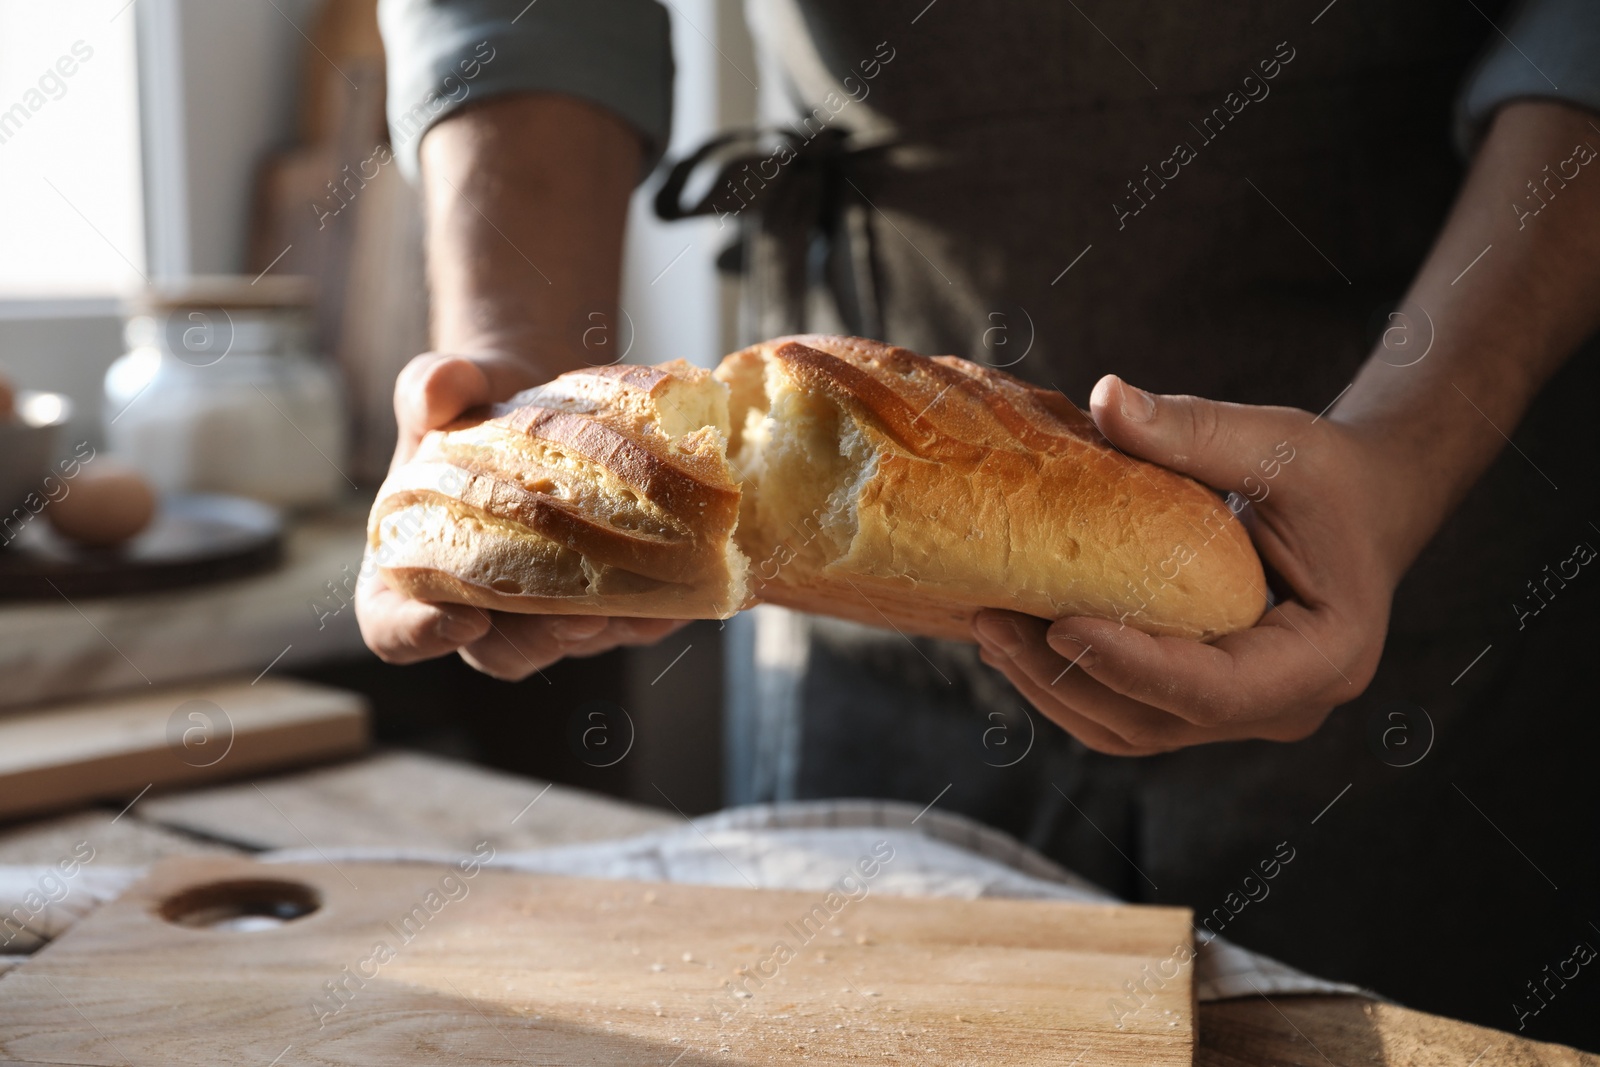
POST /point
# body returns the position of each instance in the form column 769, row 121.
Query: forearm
column 1499, row 327
column 526, row 198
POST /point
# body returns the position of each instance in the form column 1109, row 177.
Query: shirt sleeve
column 1550, row 50
column 443, row 53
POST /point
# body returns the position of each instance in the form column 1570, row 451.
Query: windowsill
column 74, row 306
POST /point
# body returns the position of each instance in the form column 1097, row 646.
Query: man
column 1210, row 204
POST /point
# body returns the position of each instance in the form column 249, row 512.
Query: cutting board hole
column 244, row 905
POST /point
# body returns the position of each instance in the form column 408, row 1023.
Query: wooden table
column 418, row 801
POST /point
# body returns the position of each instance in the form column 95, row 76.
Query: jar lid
column 226, row 291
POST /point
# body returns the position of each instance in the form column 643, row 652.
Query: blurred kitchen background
column 193, row 289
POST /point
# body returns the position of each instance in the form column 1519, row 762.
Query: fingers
column 510, row 647
column 1271, row 681
column 1217, row 443
column 1138, row 690
column 516, row 646
column 1090, row 733
column 1016, row 645
column 644, row 631
column 402, row 630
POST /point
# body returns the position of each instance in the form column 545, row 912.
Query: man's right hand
column 526, row 197
column 432, row 391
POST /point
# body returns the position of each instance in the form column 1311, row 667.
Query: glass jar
column 220, row 392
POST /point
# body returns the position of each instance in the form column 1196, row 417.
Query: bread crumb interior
column 802, row 461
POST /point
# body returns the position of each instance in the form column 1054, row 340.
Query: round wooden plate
column 194, row 538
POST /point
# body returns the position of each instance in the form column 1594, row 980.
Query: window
column 69, row 149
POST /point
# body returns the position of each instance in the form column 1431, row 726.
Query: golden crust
column 986, row 491
column 596, row 465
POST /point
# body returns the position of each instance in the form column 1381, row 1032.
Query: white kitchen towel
column 38, row 903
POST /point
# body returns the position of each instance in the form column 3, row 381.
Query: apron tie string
column 803, row 220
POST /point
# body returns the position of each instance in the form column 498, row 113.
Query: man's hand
column 433, row 390
column 1368, row 486
column 1318, row 495
column 526, row 198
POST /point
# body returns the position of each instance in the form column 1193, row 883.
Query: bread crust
column 569, row 498
column 992, row 492
column 960, row 488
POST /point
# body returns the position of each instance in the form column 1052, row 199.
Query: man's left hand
column 1322, row 524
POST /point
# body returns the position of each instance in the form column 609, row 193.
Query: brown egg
column 8, row 399
column 106, row 504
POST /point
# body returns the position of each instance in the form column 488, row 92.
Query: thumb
column 1217, row 443
column 435, row 388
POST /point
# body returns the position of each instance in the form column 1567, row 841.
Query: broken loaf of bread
column 830, row 474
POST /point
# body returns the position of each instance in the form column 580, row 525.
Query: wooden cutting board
column 503, row 968
column 118, row 746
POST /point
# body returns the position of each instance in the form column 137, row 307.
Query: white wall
column 669, row 286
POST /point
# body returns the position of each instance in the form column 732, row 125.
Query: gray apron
column 1007, row 187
